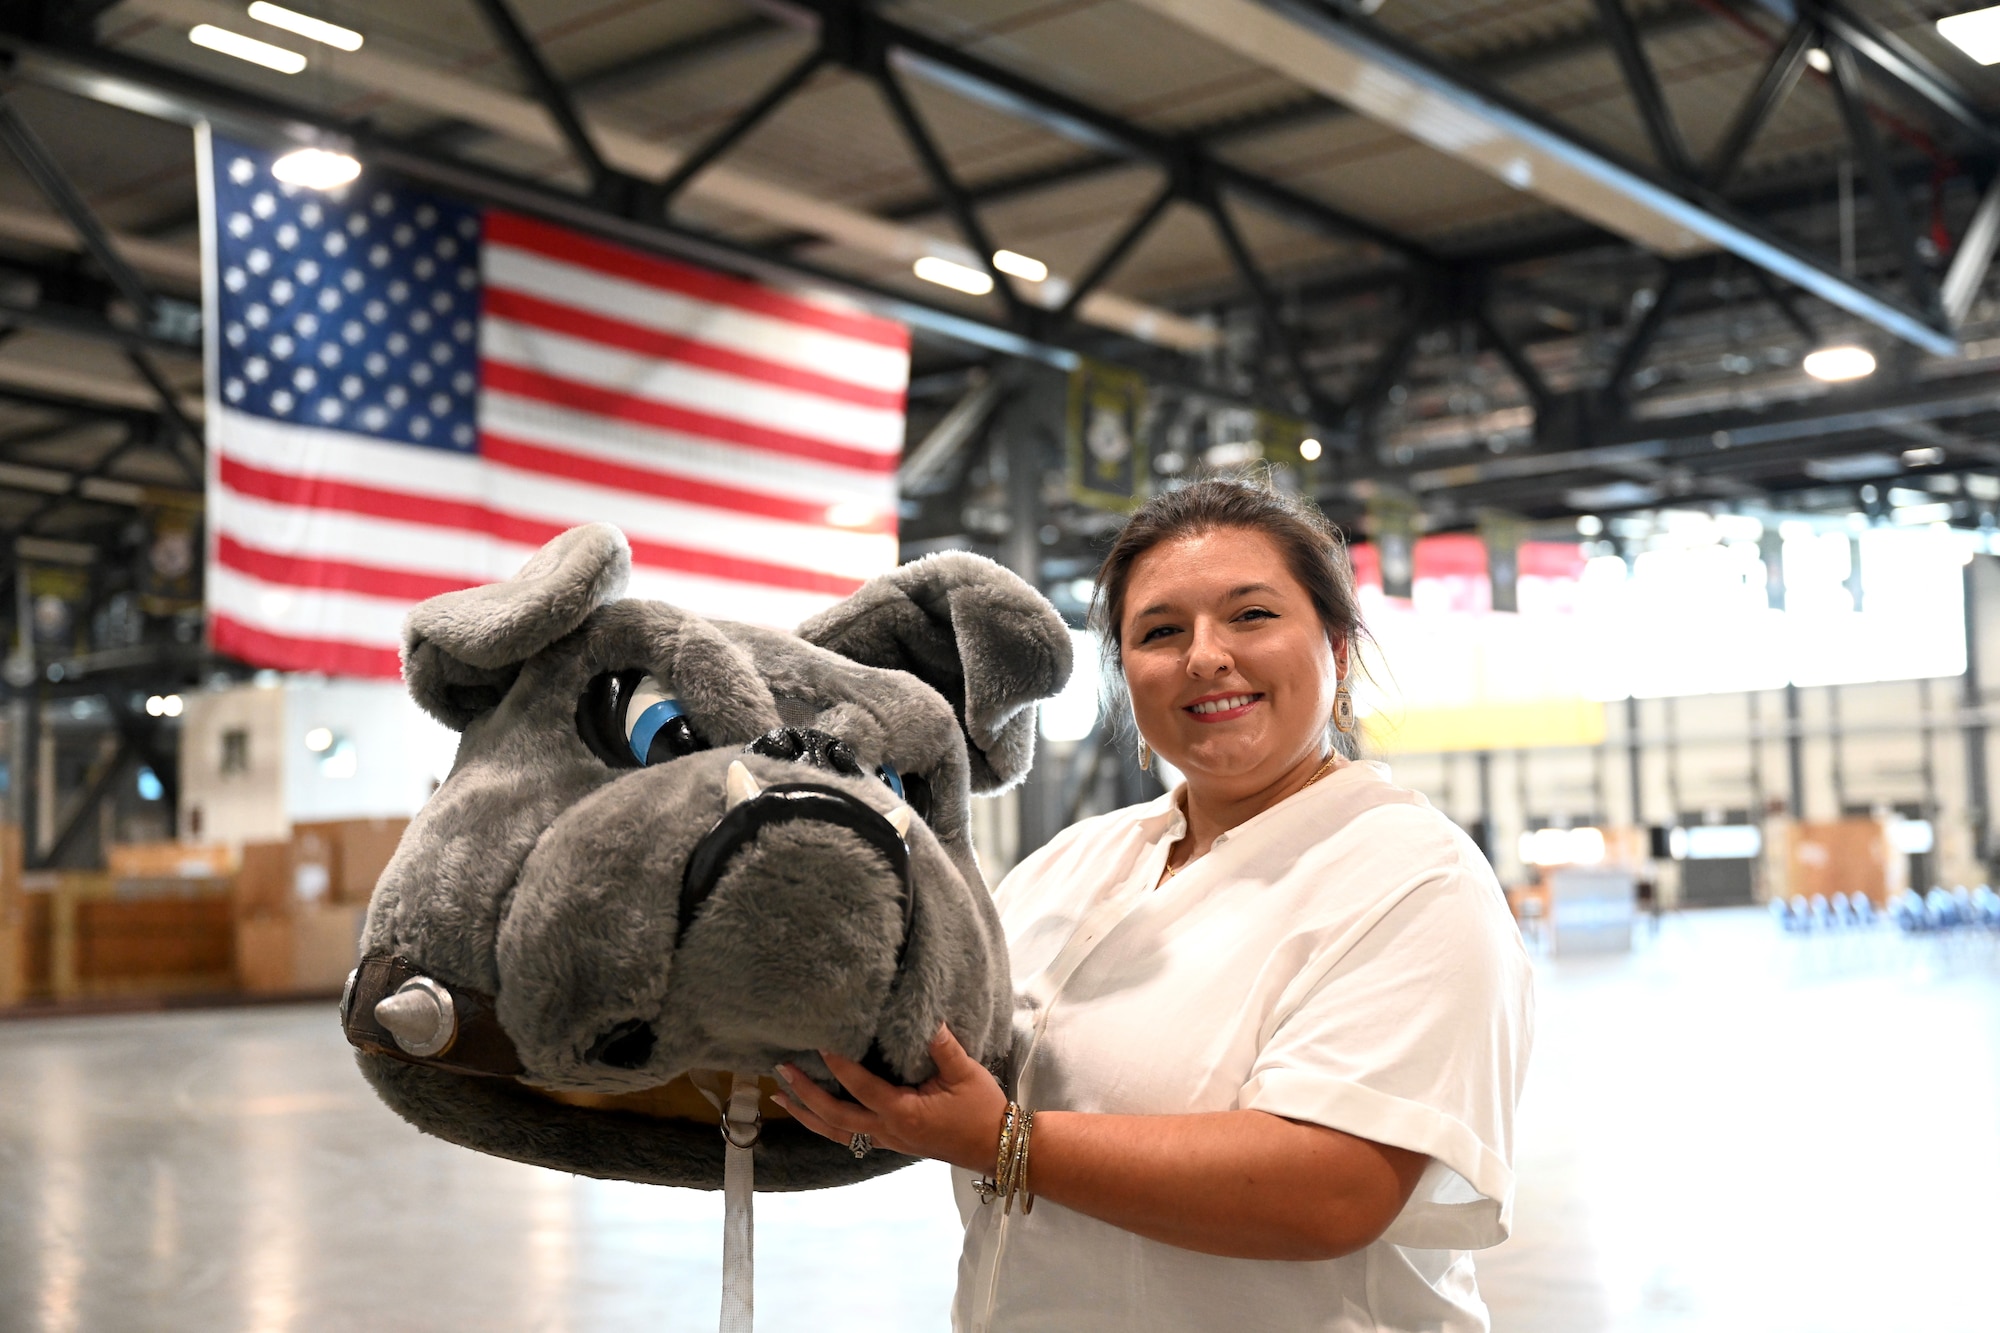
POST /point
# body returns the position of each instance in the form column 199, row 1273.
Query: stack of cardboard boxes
column 300, row 903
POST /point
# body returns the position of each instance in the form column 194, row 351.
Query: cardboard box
column 266, row 956
column 315, row 861
column 365, row 848
column 326, row 945
column 264, row 881
column 1844, row 856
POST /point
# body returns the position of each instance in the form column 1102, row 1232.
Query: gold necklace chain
column 1332, row 759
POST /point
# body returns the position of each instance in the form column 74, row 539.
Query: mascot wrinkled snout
column 674, row 852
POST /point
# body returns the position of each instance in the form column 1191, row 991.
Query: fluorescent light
column 1840, row 363
column 315, row 168
column 955, row 276
column 246, row 48
column 305, row 25
column 1034, row 270
column 1928, row 456
column 1309, row 450
column 1977, row 34
column 1819, row 60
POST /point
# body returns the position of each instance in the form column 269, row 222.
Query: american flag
column 408, row 395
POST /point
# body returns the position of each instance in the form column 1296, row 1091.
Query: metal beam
column 1695, row 437
column 1287, row 342
column 1002, row 90
column 1640, row 340
column 1780, row 76
column 963, row 212
column 1399, row 84
column 1890, row 203
column 1518, row 364
column 1972, row 258
column 1899, row 60
column 1121, row 245
column 745, row 121
column 96, row 788
column 550, row 92
column 1644, row 86
column 56, row 187
column 1310, row 109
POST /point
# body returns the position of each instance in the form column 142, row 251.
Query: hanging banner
column 1107, row 454
column 169, row 573
column 1392, row 524
column 58, row 599
column 1503, row 534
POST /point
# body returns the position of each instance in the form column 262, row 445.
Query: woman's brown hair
column 1313, row 549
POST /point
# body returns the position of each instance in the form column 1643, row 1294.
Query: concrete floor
column 1726, row 1130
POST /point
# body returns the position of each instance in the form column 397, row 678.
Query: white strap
column 740, row 1125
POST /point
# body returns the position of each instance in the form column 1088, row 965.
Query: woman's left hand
column 955, row 1117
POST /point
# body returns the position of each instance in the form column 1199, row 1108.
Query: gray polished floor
column 1726, row 1130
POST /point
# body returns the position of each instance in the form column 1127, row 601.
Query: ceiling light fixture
column 958, row 277
column 1819, row 60
column 1834, row 364
column 1008, row 261
column 1309, row 450
column 246, row 48
column 1977, row 34
column 316, row 168
column 305, row 25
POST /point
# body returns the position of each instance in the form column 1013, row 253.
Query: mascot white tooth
column 674, row 852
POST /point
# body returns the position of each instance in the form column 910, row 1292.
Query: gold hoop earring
column 1343, row 709
column 1145, row 754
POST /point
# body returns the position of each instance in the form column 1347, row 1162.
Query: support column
column 1977, row 799
column 1027, row 435
column 1633, row 761
column 1795, row 752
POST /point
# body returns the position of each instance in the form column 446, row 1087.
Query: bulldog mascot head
column 675, row 850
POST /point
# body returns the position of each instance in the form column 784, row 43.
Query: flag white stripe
column 307, row 613
column 766, row 337
column 376, row 622
column 330, row 534
column 362, row 539
column 629, row 444
column 692, row 388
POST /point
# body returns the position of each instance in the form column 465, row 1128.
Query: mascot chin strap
column 741, row 1124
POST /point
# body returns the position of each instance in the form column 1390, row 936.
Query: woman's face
column 1232, row 675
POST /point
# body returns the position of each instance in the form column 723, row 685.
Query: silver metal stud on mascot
column 674, row 852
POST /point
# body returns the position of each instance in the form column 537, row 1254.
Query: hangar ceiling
column 1548, row 257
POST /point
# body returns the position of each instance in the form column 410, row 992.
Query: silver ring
column 860, row 1144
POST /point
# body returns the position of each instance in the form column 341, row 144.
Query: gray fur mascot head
column 674, row 848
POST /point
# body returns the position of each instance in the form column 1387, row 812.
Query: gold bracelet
column 992, row 1187
column 1017, row 1175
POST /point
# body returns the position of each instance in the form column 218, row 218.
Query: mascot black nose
column 805, row 746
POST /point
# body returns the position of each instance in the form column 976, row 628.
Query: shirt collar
column 1166, row 817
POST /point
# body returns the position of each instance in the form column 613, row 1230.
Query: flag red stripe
column 571, row 247
column 319, row 493
column 561, row 392
column 288, row 653
column 577, row 323
column 332, row 575
column 709, row 495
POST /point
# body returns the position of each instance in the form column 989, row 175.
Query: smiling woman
column 1270, row 1028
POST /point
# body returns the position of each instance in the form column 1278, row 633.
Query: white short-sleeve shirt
column 1345, row 958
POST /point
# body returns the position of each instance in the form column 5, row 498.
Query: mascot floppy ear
column 462, row 650
column 976, row 633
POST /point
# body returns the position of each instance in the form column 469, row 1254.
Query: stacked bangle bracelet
column 1010, row 1168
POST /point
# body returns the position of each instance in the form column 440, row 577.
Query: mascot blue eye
column 628, row 719
column 656, row 726
column 891, row 777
